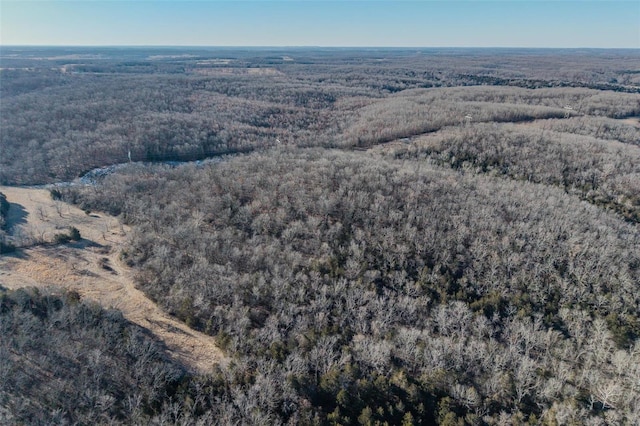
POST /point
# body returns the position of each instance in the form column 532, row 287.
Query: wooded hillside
column 441, row 237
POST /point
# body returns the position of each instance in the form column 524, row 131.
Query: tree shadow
column 18, row 253
column 84, row 243
column 17, row 215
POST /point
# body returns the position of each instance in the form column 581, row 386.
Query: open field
column 92, row 268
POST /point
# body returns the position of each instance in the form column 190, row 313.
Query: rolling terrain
column 387, row 236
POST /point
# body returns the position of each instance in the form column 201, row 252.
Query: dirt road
column 91, row 267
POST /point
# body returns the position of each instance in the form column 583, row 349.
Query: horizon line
column 311, row 46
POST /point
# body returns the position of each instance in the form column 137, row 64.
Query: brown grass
column 91, row 267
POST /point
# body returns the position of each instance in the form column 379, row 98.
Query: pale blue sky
column 424, row 23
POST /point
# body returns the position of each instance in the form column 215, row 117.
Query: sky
column 381, row 23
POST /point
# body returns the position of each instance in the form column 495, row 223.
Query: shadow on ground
column 17, row 215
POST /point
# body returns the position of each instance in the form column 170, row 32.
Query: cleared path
column 92, row 268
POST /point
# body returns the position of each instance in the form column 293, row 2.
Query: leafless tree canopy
column 389, row 237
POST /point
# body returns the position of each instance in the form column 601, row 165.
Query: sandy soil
column 91, row 267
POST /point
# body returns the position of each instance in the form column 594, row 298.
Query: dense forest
column 67, row 361
column 389, row 236
column 66, row 112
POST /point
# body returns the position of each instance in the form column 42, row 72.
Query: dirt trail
column 91, row 267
